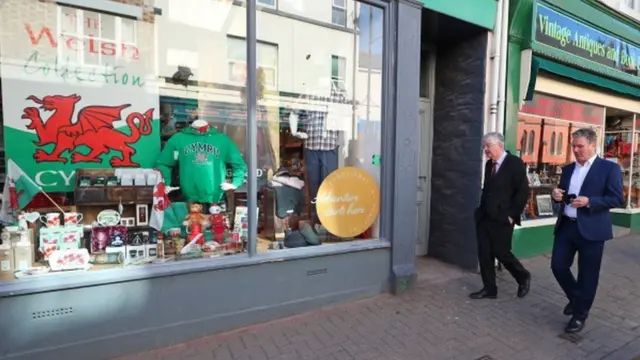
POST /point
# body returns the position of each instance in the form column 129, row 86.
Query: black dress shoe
column 574, row 326
column 484, row 294
column 568, row 310
column 524, row 286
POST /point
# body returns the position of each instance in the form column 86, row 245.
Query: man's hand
column 510, row 220
column 580, row 201
column 557, row 194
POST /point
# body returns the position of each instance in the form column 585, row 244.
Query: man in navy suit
column 588, row 189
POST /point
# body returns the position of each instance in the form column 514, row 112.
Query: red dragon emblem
column 93, row 129
column 160, row 199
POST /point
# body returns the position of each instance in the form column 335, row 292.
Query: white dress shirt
column 577, row 178
column 500, row 160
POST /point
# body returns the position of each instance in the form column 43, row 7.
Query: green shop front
column 571, row 65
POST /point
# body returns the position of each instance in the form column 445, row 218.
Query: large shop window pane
column 92, row 102
column 319, row 126
column 621, row 146
column 548, row 120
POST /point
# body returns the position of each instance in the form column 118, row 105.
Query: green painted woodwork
column 600, row 16
column 532, row 241
column 630, row 221
column 512, row 96
column 520, row 17
column 521, row 26
column 577, row 61
column 477, row 12
column 588, row 78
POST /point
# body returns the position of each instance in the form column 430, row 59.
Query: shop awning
column 542, row 64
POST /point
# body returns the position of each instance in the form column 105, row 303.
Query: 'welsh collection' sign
column 76, row 93
column 562, row 32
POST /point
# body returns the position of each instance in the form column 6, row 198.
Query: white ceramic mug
column 51, row 220
column 72, row 218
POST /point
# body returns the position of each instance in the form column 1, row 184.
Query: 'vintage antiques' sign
column 562, row 32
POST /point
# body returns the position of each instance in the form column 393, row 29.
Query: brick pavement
column 437, row 321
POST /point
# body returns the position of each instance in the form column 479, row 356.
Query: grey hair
column 493, row 137
column 586, row 133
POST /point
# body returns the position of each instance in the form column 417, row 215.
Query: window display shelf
column 537, row 222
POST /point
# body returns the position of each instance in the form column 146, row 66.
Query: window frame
column 259, row 64
column 80, row 34
column 272, row 6
column 337, row 79
column 340, row 8
column 251, row 257
column 531, row 142
column 560, row 144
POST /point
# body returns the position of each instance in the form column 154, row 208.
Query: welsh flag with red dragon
column 18, row 192
column 165, row 215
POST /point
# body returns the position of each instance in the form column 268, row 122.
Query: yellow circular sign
column 348, row 201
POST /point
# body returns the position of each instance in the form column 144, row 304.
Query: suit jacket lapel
column 566, row 177
column 504, row 166
column 593, row 170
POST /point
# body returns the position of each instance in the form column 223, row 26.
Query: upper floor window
column 270, row 3
column 338, row 75
column 237, row 61
column 103, row 37
column 339, row 12
column 553, row 143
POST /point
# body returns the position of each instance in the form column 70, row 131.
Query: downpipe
column 495, row 67
column 504, row 42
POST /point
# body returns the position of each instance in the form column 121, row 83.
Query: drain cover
column 574, row 338
column 485, row 357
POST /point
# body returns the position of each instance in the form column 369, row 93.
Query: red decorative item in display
column 195, row 229
column 218, row 227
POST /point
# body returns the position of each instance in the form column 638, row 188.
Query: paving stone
column 437, row 321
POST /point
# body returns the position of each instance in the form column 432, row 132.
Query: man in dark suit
column 504, row 197
column 588, row 189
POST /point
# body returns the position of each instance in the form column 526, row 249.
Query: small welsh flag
column 165, row 215
column 18, row 192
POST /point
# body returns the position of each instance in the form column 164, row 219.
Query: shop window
column 544, row 165
column 267, row 55
column 133, row 95
column 621, row 146
column 169, row 92
column 338, row 75
column 339, row 12
column 323, row 140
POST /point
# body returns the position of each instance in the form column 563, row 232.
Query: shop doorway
column 423, row 198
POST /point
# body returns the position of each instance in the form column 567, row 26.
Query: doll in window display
column 195, row 221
